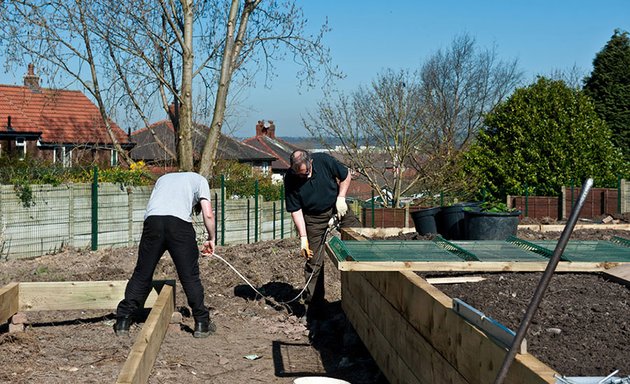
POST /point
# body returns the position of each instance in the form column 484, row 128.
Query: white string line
column 331, row 224
column 256, row 290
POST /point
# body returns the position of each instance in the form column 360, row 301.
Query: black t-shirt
column 319, row 192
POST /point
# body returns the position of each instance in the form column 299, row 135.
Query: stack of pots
column 465, row 221
column 451, row 223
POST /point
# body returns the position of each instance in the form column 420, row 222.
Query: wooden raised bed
column 413, row 334
column 89, row 295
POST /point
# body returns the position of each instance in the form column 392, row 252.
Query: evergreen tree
column 544, row 136
column 609, row 87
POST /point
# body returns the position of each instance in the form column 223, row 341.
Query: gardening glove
column 305, row 250
column 341, row 206
column 208, row 248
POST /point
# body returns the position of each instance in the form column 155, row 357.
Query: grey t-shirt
column 175, row 194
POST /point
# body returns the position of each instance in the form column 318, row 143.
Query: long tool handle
column 544, row 281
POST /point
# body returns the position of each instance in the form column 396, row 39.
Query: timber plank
column 428, row 310
column 139, row 364
column 620, row 274
column 468, row 266
column 9, row 301
column 74, row 295
column 413, row 349
column 379, row 346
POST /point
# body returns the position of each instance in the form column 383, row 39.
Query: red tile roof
column 62, row 116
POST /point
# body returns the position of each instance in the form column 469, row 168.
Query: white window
column 66, row 156
column 20, row 144
column 264, row 167
column 114, row 158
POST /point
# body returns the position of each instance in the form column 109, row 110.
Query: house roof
column 265, row 140
column 228, row 149
column 60, row 116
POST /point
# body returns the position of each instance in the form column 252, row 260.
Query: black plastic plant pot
column 490, row 225
column 424, row 220
column 450, row 220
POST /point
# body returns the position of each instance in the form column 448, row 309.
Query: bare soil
column 259, row 340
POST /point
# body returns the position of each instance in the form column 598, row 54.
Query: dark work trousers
column 160, row 234
column 316, row 226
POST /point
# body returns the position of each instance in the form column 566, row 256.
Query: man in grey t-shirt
column 168, row 227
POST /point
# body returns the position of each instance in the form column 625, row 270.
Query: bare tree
column 164, row 52
column 380, row 130
column 58, row 33
column 407, row 132
column 258, row 33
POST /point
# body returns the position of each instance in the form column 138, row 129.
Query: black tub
column 424, row 220
column 490, row 225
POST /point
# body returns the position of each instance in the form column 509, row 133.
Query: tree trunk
column 185, row 108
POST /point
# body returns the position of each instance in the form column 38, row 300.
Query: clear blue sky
column 369, row 36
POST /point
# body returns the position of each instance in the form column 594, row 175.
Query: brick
column 16, row 328
column 176, row 318
column 19, row 318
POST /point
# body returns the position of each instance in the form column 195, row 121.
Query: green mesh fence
column 595, row 251
column 441, row 250
column 497, row 250
column 390, row 250
column 620, row 241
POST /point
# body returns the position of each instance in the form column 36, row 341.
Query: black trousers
column 160, row 234
column 316, row 226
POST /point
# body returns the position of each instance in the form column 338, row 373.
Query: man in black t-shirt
column 315, row 189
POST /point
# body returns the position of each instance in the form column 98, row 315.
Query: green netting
column 497, row 250
column 592, row 251
column 620, row 241
column 390, row 250
column 440, row 250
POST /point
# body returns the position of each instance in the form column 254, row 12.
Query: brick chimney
column 31, row 80
column 266, row 128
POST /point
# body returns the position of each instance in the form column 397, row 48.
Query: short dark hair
column 299, row 157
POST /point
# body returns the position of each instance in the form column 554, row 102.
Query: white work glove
column 305, row 250
column 341, row 206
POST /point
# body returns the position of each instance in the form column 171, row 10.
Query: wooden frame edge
column 9, row 301
column 144, row 351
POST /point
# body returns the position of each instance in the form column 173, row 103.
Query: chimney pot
column 31, row 80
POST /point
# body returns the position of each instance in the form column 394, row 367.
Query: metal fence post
column 373, row 226
column 256, row 211
column 618, row 194
column 526, row 200
column 222, row 209
column 95, row 209
column 274, row 221
column 248, row 226
column 282, row 213
column 216, row 216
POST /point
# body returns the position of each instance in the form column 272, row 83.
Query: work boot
column 121, row 328
column 204, row 328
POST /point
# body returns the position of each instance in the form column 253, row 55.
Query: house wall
column 82, row 156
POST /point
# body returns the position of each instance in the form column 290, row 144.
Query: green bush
column 22, row 173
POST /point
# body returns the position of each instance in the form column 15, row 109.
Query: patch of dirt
column 257, row 340
column 80, row 346
column 581, row 328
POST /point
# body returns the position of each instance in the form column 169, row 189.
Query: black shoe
column 204, row 328
column 121, row 328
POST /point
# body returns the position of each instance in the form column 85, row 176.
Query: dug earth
column 582, row 327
